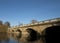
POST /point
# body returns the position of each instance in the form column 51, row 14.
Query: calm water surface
column 13, row 38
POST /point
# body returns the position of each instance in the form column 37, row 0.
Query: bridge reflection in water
column 14, row 38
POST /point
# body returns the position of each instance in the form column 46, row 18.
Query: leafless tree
column 1, row 23
column 7, row 24
column 34, row 21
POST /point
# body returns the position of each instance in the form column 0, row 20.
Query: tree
column 34, row 21
column 20, row 24
column 4, row 27
column 7, row 24
column 1, row 22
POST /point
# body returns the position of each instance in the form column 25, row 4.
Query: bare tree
column 20, row 24
column 34, row 21
column 1, row 23
column 7, row 24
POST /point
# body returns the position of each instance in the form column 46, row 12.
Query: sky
column 23, row 11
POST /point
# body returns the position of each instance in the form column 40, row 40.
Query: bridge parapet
column 51, row 21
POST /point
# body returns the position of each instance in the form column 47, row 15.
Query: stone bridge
column 40, row 27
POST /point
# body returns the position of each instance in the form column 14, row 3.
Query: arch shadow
column 33, row 35
column 19, row 30
column 52, row 34
column 12, row 30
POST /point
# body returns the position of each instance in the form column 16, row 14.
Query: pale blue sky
column 23, row 11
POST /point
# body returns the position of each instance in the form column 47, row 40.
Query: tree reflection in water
column 4, row 38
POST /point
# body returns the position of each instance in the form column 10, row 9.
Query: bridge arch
column 33, row 35
column 18, row 30
column 12, row 30
column 52, row 30
column 52, row 34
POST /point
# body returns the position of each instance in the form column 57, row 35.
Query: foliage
column 7, row 24
column 4, row 27
column 1, row 22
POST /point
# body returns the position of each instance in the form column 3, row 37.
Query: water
column 14, row 38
